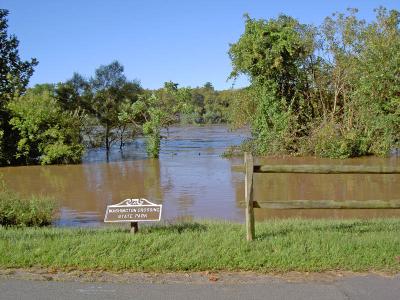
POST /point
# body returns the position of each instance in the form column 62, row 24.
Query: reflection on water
column 191, row 180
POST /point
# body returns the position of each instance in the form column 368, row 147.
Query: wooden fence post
column 249, row 165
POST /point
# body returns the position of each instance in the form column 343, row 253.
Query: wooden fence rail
column 250, row 169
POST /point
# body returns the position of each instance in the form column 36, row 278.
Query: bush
column 47, row 133
column 17, row 211
column 329, row 140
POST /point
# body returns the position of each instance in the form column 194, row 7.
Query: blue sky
column 156, row 41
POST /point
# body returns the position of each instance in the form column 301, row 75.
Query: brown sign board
column 133, row 210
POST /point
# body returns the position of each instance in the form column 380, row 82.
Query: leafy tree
column 209, row 106
column 187, row 103
column 375, row 114
column 330, row 91
column 275, row 55
column 74, row 94
column 132, row 91
column 157, row 110
column 110, row 89
column 357, row 92
column 48, row 134
column 209, row 86
column 14, row 77
column 14, row 72
column 148, row 116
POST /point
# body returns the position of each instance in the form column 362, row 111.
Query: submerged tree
column 149, row 116
column 110, row 89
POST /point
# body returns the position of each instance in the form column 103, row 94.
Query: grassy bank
column 19, row 211
column 289, row 245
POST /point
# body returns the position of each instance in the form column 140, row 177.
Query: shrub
column 17, row 211
column 46, row 132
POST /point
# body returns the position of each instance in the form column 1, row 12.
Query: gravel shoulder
column 42, row 274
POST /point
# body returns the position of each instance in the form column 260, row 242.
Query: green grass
column 280, row 246
column 18, row 211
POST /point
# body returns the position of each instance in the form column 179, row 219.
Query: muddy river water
column 193, row 181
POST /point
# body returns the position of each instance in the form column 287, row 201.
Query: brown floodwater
column 193, row 181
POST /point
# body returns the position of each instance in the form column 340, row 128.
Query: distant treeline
column 331, row 91
column 55, row 123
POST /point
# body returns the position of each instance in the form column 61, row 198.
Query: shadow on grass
column 354, row 227
column 268, row 235
column 176, row 228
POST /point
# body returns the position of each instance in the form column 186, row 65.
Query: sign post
column 133, row 211
column 134, row 227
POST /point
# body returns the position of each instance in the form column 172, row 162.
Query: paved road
column 364, row 287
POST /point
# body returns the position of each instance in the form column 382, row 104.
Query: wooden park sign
column 133, row 211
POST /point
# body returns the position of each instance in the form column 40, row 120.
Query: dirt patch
column 179, row 277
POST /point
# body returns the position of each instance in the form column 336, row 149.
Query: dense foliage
column 331, row 91
column 46, row 132
column 14, row 77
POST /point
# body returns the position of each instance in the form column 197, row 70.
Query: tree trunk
column 121, row 137
column 107, row 141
